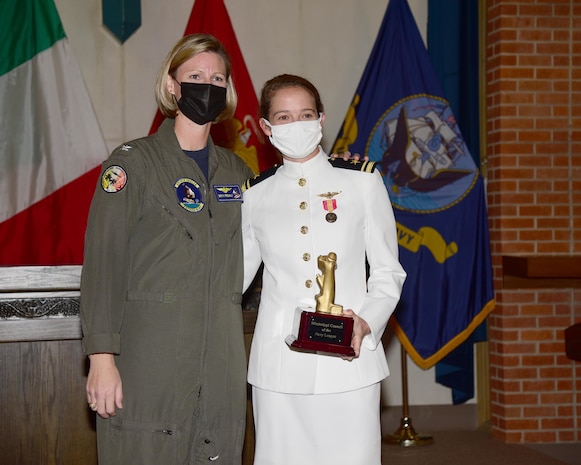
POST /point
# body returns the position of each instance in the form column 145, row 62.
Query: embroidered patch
column 113, row 179
column 228, row 193
column 189, row 194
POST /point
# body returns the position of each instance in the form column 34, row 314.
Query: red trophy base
column 322, row 333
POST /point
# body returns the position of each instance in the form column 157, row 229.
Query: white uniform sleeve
column 386, row 275
column 252, row 257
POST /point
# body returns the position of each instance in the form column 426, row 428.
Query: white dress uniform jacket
column 284, row 225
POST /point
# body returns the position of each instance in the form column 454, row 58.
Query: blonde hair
column 184, row 49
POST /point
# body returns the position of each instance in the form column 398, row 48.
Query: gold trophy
column 325, row 330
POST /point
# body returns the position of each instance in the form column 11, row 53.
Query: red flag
column 52, row 231
column 241, row 133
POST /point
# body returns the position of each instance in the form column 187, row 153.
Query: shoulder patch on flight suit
column 260, row 177
column 365, row 166
column 113, row 179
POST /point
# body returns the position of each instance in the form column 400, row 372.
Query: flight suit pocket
column 143, row 443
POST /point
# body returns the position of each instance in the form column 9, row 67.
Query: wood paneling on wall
column 45, row 418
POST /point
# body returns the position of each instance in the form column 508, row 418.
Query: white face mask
column 296, row 140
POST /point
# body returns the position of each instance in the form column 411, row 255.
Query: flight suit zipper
column 138, row 427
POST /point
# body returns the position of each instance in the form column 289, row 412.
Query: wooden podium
column 46, row 419
column 42, row 395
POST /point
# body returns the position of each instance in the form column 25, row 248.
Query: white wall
column 326, row 41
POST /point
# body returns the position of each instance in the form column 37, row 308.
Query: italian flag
column 51, row 146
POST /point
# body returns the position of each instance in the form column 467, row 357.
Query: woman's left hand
column 360, row 330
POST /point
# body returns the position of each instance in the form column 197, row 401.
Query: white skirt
column 321, row 429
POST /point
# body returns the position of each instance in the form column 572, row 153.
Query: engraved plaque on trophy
column 325, row 330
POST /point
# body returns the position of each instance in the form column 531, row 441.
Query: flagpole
column 405, row 435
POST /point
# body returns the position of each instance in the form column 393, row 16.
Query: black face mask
column 202, row 103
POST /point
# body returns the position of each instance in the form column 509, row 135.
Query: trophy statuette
column 325, row 330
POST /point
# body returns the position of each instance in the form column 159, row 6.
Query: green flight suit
column 161, row 288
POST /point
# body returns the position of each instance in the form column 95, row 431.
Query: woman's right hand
column 104, row 393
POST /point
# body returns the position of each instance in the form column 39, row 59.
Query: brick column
column 533, row 99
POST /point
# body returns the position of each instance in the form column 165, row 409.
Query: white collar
column 295, row 169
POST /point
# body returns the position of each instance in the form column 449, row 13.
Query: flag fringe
column 426, row 363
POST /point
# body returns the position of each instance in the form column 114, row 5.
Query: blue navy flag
column 400, row 118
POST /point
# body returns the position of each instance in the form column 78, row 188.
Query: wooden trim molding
column 39, row 303
column 24, row 280
column 539, row 271
column 43, row 329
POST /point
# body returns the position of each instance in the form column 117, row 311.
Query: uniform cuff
column 102, row 343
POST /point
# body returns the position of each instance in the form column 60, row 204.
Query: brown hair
column 184, row 49
column 282, row 82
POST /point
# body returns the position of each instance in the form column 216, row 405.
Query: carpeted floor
column 458, row 440
column 477, row 448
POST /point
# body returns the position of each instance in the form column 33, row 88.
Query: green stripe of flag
column 27, row 27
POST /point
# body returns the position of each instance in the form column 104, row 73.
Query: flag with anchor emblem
column 400, row 118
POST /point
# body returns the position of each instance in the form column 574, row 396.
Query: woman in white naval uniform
column 311, row 408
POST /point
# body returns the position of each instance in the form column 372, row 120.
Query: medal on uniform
column 330, row 205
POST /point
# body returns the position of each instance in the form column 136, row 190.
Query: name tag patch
column 228, row 193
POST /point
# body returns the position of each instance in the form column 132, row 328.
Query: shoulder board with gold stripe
column 260, row 177
column 365, row 166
